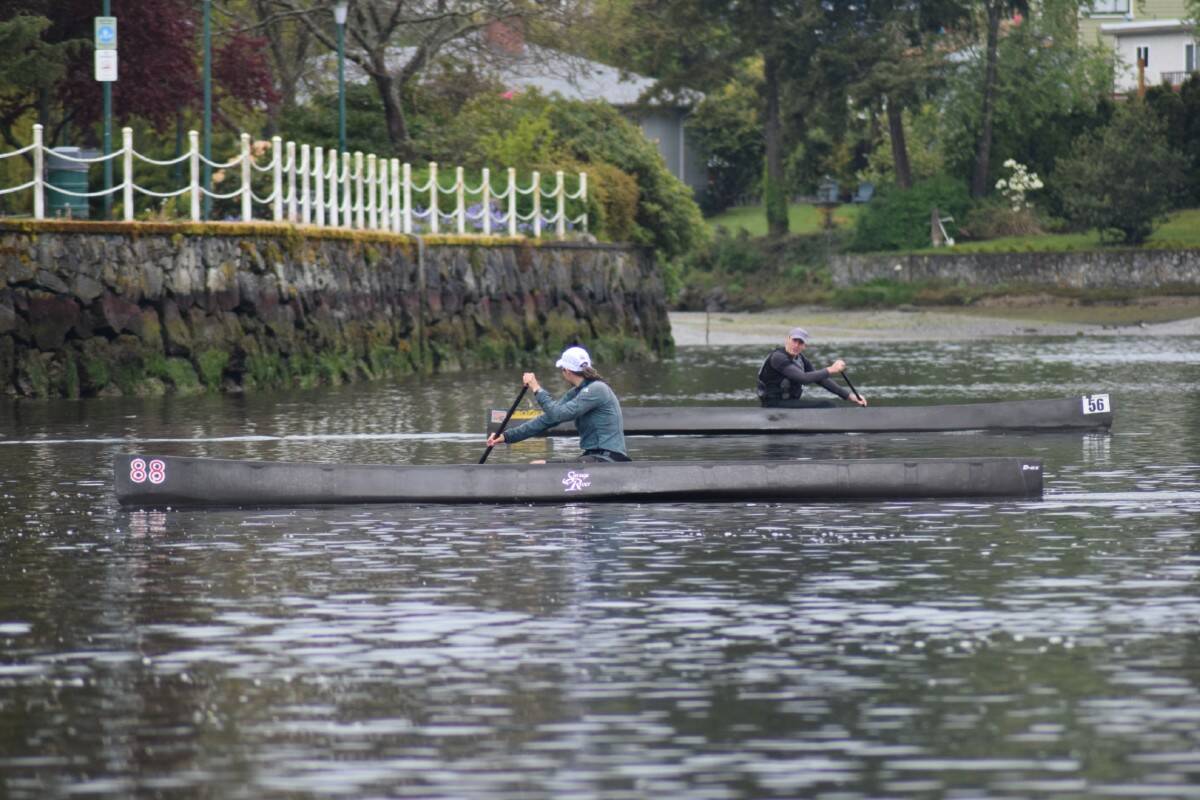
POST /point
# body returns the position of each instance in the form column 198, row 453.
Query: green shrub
column 731, row 255
column 555, row 134
column 1122, row 179
column 899, row 219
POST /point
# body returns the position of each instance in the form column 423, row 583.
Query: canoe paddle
column 851, row 385
column 512, row 409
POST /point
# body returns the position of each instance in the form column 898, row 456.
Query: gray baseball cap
column 799, row 333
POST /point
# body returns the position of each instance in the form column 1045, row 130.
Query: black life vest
column 772, row 385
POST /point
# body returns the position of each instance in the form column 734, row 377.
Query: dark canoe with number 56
column 1086, row 413
column 169, row 481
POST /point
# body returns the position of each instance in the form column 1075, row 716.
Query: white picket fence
column 322, row 187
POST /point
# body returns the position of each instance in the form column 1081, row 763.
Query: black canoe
column 1091, row 412
column 158, row 481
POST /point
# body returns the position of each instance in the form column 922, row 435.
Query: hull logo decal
column 576, row 481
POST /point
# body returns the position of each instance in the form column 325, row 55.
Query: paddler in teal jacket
column 590, row 402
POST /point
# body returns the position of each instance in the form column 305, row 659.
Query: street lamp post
column 207, row 106
column 340, row 9
column 108, row 164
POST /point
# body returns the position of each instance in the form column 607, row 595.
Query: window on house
column 1143, row 55
column 1189, row 57
column 1108, row 7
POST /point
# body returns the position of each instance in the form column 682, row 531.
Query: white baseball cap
column 799, row 333
column 576, row 359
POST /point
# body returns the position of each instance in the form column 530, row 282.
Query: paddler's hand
column 857, row 398
column 495, row 439
column 530, row 380
column 836, row 367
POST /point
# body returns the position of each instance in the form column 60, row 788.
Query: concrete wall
column 1093, row 269
column 101, row 309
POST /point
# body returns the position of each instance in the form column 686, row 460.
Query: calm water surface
column 932, row 649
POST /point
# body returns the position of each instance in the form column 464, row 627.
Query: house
column 1156, row 32
column 520, row 65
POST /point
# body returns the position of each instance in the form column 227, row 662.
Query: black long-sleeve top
column 798, row 372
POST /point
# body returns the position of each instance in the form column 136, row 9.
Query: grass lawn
column 1181, row 230
column 802, row 218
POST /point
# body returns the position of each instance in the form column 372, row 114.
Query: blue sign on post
column 106, row 33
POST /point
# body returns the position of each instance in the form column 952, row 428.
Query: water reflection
column 1003, row 649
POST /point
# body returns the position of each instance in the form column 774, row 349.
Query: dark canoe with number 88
column 1086, row 413
column 169, row 481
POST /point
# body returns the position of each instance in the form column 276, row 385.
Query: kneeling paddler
column 590, row 402
column 786, row 371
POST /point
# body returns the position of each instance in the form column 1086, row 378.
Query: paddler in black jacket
column 785, row 372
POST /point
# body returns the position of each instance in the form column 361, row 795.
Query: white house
column 1157, row 31
column 1165, row 47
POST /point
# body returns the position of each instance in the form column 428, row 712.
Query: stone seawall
column 91, row 309
column 1091, row 269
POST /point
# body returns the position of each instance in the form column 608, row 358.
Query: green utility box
column 62, row 173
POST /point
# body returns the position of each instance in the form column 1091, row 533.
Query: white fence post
column 486, row 202
column 247, row 188
column 359, row 207
column 407, row 189
column 583, row 198
column 537, row 204
column 560, row 224
column 39, row 196
column 461, row 200
column 384, row 191
column 347, row 202
column 395, row 190
column 127, row 184
column 277, row 178
column 291, row 182
column 305, row 200
column 372, row 215
column 194, row 165
column 319, row 194
column 335, row 203
column 512, row 201
column 434, row 191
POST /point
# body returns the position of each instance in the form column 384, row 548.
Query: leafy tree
column 1180, row 112
column 1048, row 90
column 35, row 62
column 397, row 42
column 727, row 126
column 1121, row 179
column 159, row 41
column 703, row 44
column 902, row 49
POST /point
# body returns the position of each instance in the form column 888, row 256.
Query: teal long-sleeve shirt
column 593, row 406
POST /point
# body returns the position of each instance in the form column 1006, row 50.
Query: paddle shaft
column 851, row 385
column 511, row 410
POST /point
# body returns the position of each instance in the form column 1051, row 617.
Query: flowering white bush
column 1015, row 187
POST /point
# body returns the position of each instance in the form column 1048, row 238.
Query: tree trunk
column 773, row 192
column 895, row 116
column 983, row 151
column 393, row 111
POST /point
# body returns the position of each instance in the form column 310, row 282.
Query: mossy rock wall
column 91, row 309
column 1109, row 268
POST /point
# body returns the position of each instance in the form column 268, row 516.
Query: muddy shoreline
column 832, row 325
